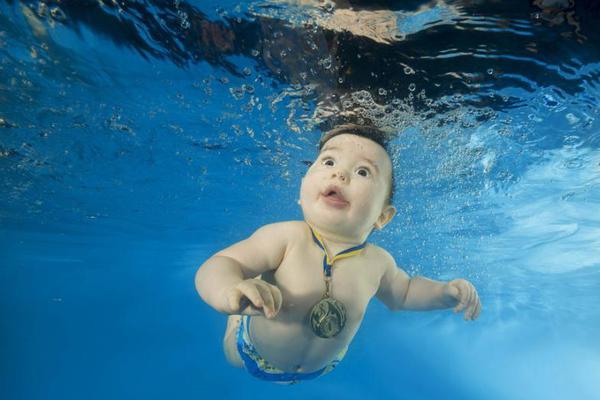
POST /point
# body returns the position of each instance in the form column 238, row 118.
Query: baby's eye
column 363, row 171
column 328, row 161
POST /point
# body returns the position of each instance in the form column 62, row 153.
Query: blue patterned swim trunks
column 260, row 368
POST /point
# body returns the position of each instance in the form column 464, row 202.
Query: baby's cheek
column 368, row 195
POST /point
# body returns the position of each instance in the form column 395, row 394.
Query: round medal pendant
column 327, row 317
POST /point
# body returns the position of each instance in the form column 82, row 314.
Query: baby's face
column 346, row 188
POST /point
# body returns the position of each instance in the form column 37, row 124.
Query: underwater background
column 137, row 138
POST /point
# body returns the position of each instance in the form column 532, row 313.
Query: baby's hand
column 254, row 297
column 466, row 296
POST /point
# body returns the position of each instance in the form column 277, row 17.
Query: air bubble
column 247, row 71
column 42, row 9
column 237, row 93
column 412, row 87
column 572, row 119
column 571, row 140
column 550, row 101
column 326, row 62
column 361, row 96
column 408, row 70
column 382, row 92
column 58, row 14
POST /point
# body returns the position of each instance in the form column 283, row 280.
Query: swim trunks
column 260, row 368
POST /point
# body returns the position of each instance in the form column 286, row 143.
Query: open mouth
column 333, row 196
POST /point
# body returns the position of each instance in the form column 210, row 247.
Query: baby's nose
column 340, row 174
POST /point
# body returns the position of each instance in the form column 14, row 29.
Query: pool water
column 137, row 138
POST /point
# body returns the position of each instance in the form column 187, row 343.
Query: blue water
column 132, row 148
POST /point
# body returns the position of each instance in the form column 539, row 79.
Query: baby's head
column 348, row 189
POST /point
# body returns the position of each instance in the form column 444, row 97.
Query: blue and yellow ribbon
column 327, row 259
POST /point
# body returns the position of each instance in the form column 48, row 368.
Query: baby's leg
column 230, row 341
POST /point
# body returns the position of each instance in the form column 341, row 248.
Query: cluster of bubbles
column 238, row 92
column 55, row 12
column 294, row 14
column 396, row 114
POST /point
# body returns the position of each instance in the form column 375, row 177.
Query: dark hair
column 368, row 132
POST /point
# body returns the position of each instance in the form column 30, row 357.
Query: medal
column 328, row 317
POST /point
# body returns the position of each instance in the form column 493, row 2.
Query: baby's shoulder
column 289, row 227
column 379, row 256
column 285, row 230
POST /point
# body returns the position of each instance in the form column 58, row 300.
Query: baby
column 297, row 291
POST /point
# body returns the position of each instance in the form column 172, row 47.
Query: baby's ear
column 386, row 216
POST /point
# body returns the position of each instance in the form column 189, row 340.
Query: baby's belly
column 288, row 343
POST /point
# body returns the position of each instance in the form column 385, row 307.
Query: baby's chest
column 301, row 279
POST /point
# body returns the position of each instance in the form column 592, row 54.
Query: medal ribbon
column 328, row 261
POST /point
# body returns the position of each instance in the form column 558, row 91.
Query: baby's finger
column 469, row 312
column 277, row 298
column 251, row 292
column 479, row 308
column 267, row 297
column 239, row 303
column 247, row 308
column 471, row 300
column 275, row 295
column 475, row 306
column 460, row 306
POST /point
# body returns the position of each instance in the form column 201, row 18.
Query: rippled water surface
column 139, row 137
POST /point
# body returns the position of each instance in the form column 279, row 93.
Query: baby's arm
column 225, row 281
column 400, row 292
